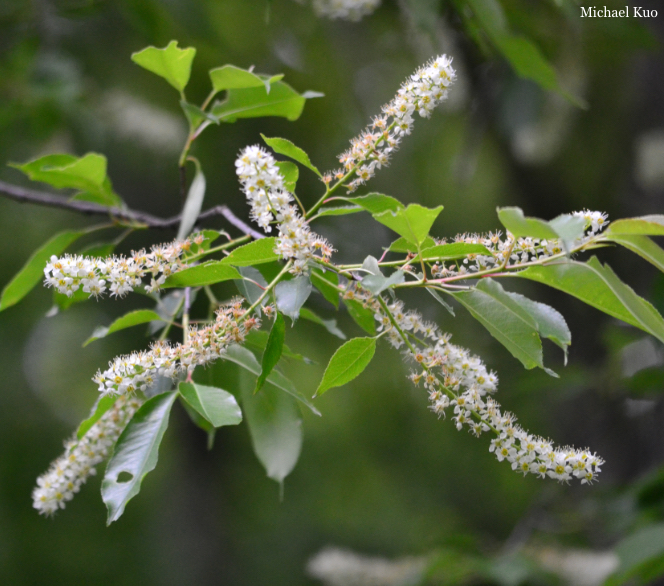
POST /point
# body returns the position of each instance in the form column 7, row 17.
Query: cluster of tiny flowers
column 457, row 380
column 117, row 274
column 515, row 251
column 353, row 10
column 139, row 371
column 71, row 470
column 270, row 201
column 372, row 149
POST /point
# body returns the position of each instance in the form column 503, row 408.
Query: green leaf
column 255, row 102
column 102, row 405
column 643, row 226
column 374, row 281
column 361, row 315
column 641, row 245
column 339, row 211
column 209, row 273
column 275, row 427
column 133, row 318
column 403, row 245
column 136, row 453
column 230, row 77
column 443, row 252
column 255, row 253
column 171, row 63
column 288, row 149
column 250, row 291
column 291, row 173
column 33, row 270
column 375, row 203
column 273, row 350
column 347, row 363
column 217, row 406
column 329, row 324
column 528, row 61
column 506, row 321
column 86, row 174
column 291, row 295
column 246, row 359
column 440, row 300
column 599, row 287
column 413, row 222
column 192, row 205
column 326, row 282
column 200, row 422
column 520, row 226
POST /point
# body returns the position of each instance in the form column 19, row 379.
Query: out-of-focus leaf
column 102, row 405
column 291, row 295
column 33, row 270
column 641, row 556
column 329, row 324
column 347, row 363
column 209, row 273
column 374, row 281
column 326, row 282
column 258, row 339
column 413, row 222
column 254, row 253
column 291, row 173
column 135, row 454
column 133, row 318
column 171, row 63
column 273, row 350
column 217, row 406
column 250, row 291
column 287, row 148
column 361, row 315
column 193, row 204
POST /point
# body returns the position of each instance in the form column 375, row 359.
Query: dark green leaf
column 347, row 363
column 326, row 282
column 209, row 273
column 361, row 315
column 102, row 405
column 273, row 350
column 287, row 148
column 171, row 63
column 136, row 453
column 254, row 253
column 413, row 222
column 217, row 406
column 329, row 324
column 291, row 295
column 133, row 318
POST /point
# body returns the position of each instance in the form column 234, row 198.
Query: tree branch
column 23, row 195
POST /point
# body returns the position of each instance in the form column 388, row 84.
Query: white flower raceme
column 117, row 274
column 270, row 201
column 138, row 371
column 457, row 380
column 352, row 10
column 70, row 471
column 420, row 93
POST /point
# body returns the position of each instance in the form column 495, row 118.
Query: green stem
column 269, row 288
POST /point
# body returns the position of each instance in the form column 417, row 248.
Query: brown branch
column 23, row 195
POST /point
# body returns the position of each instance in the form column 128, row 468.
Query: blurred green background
column 398, row 493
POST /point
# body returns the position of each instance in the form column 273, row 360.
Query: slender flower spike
column 71, row 470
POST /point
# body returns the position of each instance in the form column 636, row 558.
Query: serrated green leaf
column 347, row 363
column 171, row 63
column 275, row 427
column 291, row 173
column 329, row 324
column 192, row 205
column 103, row 404
column 505, row 320
column 133, row 318
column 643, row 226
column 375, row 203
column 136, row 453
column 326, row 282
column 288, row 149
column 520, row 226
column 209, row 273
column 291, row 295
column 273, row 350
column 246, row 359
column 255, row 253
column 216, row 405
column 641, row 245
column 361, row 315
column 255, row 102
column 413, row 222
column 33, row 270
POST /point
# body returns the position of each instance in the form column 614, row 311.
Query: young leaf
column 641, row 245
column 229, row 77
column 217, row 406
column 329, row 324
column 347, row 363
column 326, row 282
column 291, row 295
column 33, row 270
column 133, row 318
column 273, row 350
column 361, row 315
column 171, row 63
column 246, row 359
column 192, row 205
column 102, row 405
column 643, row 226
column 136, row 453
column 291, row 173
column 376, row 203
column 254, row 253
column 413, row 222
column 275, row 427
column 208, row 273
column 287, row 148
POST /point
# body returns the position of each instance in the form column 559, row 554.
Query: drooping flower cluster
column 270, row 200
column 117, row 274
column 458, row 380
column 420, row 93
column 515, row 250
column 353, row 10
column 71, row 470
column 139, row 371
